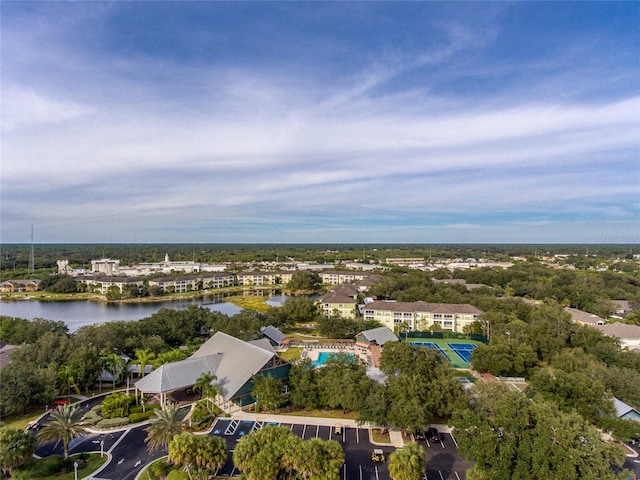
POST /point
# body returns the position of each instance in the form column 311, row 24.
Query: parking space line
column 457, row 476
column 317, row 430
column 360, row 467
column 441, row 477
column 377, row 476
column 357, row 435
column 344, row 472
column 304, row 430
column 454, row 440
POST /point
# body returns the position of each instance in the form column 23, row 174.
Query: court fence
column 441, row 335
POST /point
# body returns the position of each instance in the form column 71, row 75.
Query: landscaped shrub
column 159, row 468
column 140, row 417
column 113, row 422
column 117, row 405
column 91, row 418
column 177, row 475
column 46, row 467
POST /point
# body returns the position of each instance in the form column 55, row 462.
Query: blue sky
column 365, row 122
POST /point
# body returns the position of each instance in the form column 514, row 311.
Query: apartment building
column 259, row 278
column 420, row 316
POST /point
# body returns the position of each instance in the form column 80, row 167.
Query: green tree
column 303, row 384
column 304, row 282
column 343, row 382
column 67, row 380
column 163, row 425
column 86, row 364
column 143, row 357
column 504, row 357
column 509, row 436
column 317, row 459
column 266, row 454
column 208, row 389
column 407, row 463
column 65, row 424
column 199, row 455
column 117, row 405
column 267, row 391
column 113, row 293
column 116, row 365
column 16, row 447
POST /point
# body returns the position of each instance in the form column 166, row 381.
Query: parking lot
column 443, row 462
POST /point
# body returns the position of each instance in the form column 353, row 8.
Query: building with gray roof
column 231, row 360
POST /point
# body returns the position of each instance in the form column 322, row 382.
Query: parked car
column 377, row 455
column 419, row 434
column 433, row 435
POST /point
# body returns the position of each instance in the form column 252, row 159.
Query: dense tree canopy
column 509, row 436
column 16, row 447
column 419, row 385
column 275, row 453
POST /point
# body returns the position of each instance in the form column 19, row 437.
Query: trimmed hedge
column 113, row 422
column 139, row 416
column 92, row 418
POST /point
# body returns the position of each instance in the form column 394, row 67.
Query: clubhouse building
column 231, row 360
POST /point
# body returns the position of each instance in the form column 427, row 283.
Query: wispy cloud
column 125, row 147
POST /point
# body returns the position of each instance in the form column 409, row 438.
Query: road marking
column 137, row 463
column 377, row 476
column 360, row 467
column 344, row 470
column 118, row 441
column 120, row 461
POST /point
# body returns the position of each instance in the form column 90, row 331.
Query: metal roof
column 231, row 360
column 272, row 333
column 380, row 335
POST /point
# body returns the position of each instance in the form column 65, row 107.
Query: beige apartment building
column 420, row 316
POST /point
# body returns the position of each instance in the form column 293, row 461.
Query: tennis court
column 463, row 350
column 433, row 346
column 458, row 353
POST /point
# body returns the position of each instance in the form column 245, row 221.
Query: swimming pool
column 324, row 356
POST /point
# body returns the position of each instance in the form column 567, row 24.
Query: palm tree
column 206, row 386
column 16, row 447
column 143, row 358
column 116, row 365
column 65, row 424
column 67, row 381
column 407, row 463
column 164, row 424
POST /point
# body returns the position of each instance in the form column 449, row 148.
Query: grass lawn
column 249, row 302
column 323, row 413
column 94, row 461
column 378, row 437
column 292, row 353
column 20, row 421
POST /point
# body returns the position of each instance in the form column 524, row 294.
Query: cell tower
column 31, row 256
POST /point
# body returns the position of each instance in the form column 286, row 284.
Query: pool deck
column 313, row 352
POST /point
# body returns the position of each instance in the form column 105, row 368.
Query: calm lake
column 80, row 313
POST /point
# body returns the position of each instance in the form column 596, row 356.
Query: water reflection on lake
column 79, row 313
